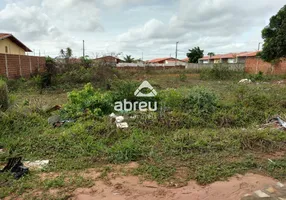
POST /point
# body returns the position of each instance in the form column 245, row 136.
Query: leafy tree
column 129, row 59
column 195, row 54
column 274, row 36
column 86, row 61
column 211, row 54
column 66, row 54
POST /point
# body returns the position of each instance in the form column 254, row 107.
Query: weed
column 4, row 100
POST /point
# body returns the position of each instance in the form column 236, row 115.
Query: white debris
column 280, row 184
column 122, row 125
column 119, row 119
column 261, row 194
column 38, row 164
column 112, row 115
column 245, row 81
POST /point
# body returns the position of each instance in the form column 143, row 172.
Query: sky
column 141, row 28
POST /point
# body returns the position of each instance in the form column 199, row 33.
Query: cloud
column 212, row 24
column 50, row 24
column 74, row 15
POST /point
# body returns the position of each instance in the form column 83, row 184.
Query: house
column 11, row 45
column 109, row 60
column 227, row 58
column 168, row 60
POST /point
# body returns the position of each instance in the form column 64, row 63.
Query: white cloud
column 211, row 24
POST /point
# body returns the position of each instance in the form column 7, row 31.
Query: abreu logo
column 128, row 106
column 145, row 85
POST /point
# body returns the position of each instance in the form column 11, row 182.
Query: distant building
column 228, row 58
column 109, row 60
column 168, row 60
column 11, row 45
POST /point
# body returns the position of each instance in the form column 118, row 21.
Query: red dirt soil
column 131, row 188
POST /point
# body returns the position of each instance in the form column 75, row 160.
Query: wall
column 16, row 66
column 233, row 66
column 142, row 66
column 254, row 65
column 12, row 47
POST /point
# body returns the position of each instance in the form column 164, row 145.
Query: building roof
column 106, row 57
column 248, row 54
column 15, row 40
column 156, row 60
column 230, row 55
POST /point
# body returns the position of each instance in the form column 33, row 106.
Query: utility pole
column 177, row 50
column 142, row 56
column 256, row 70
column 259, row 45
column 83, row 50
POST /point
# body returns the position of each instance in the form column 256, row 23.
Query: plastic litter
column 276, row 122
column 245, row 81
column 119, row 119
column 38, row 164
column 122, row 125
column 16, row 167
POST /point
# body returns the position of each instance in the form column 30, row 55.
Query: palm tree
column 211, row 54
column 66, row 54
column 129, row 59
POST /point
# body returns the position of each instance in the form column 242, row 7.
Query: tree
column 129, row 59
column 66, row 54
column 195, row 54
column 274, row 36
column 211, row 54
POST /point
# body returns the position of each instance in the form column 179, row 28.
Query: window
column 6, row 49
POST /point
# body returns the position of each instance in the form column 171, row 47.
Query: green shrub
column 183, row 77
column 220, row 72
column 87, row 102
column 4, row 99
column 171, row 98
column 200, row 102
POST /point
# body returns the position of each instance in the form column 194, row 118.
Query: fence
column 15, row 66
column 143, row 66
column 232, row 66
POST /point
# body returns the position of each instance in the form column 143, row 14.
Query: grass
column 179, row 143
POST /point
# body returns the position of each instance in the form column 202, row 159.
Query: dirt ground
column 131, row 188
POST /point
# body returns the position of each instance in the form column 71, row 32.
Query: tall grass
column 4, row 101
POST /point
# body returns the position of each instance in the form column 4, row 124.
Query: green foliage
column 220, row 72
column 211, row 54
column 195, row 54
column 274, row 36
column 87, row 102
column 183, row 77
column 86, row 61
column 200, row 102
column 4, row 99
column 129, row 59
column 126, row 150
column 171, row 98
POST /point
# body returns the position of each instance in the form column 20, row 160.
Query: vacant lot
column 207, row 128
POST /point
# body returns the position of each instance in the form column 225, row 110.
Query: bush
column 171, row 98
column 220, row 72
column 4, row 99
column 200, row 102
column 183, row 77
column 87, row 102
